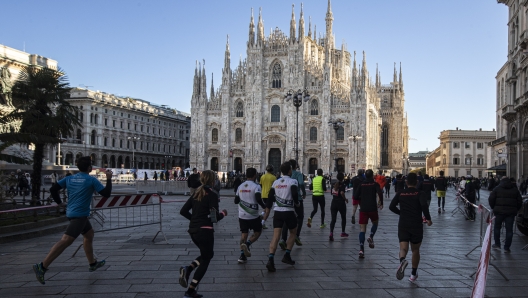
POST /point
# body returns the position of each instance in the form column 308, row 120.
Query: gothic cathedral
column 246, row 122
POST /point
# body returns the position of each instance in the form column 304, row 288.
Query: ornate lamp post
column 336, row 124
column 133, row 150
column 297, row 99
column 355, row 138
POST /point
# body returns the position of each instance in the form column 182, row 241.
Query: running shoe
column 495, row 246
column 282, row 244
column 401, row 269
column 344, row 235
column 413, row 278
column 194, row 294
column 443, row 210
column 184, row 276
column 361, row 254
column 245, row 249
column 370, row 242
column 298, row 241
column 506, row 250
column 264, row 227
column 331, row 238
column 353, row 219
column 96, row 266
column 323, row 225
column 439, row 210
column 39, row 272
column 288, row 260
column 242, row 259
column 271, row 265
column 309, row 223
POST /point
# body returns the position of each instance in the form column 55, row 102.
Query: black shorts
column 250, row 224
column 285, row 217
column 78, row 226
column 413, row 235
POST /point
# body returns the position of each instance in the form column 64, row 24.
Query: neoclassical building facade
column 246, row 122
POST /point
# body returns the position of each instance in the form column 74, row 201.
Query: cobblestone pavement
column 136, row 267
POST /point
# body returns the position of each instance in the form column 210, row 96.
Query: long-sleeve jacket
column 366, row 195
column 412, row 204
column 427, row 187
column 441, row 183
column 200, row 216
column 505, row 198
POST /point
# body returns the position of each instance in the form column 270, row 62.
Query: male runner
column 387, row 186
column 366, row 195
column 356, row 181
column 299, row 210
column 284, row 197
column 427, row 187
column 441, row 186
column 318, row 187
column 410, row 228
column 248, row 200
column 265, row 182
column 399, row 183
column 81, row 187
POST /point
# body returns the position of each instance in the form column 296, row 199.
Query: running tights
column 338, row 205
column 204, row 239
column 318, row 201
column 441, row 200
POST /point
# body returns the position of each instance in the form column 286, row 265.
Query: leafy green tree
column 44, row 114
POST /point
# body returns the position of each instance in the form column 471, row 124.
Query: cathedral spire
column 203, row 87
column 315, row 33
column 329, row 19
column 354, row 72
column 377, row 75
column 395, row 78
column 212, row 87
column 252, row 29
column 195, row 81
column 227, row 56
column 293, row 25
column 301, row 24
column 310, row 27
column 401, row 77
column 260, row 29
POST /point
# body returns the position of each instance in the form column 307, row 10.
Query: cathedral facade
column 246, row 122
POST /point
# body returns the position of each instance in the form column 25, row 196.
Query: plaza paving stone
column 136, row 267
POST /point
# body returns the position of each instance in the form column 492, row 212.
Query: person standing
column 204, row 206
column 368, row 209
column 248, row 198
column 469, row 191
column 299, row 210
column 441, row 187
column 283, row 197
column 145, row 176
column 155, row 176
column 387, row 186
column 413, row 204
column 237, row 182
column 505, row 200
column 478, row 185
column 266, row 181
column 80, row 187
column 193, row 182
column 339, row 202
column 356, row 182
column 318, row 187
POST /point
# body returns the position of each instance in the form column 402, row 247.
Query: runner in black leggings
column 338, row 205
column 318, row 187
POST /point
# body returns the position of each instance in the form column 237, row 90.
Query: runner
column 427, row 187
column 338, row 205
column 265, row 182
column 204, row 206
column 387, row 186
column 318, row 187
column 248, row 200
column 284, row 197
column 299, row 210
column 81, row 187
column 356, row 181
column 399, row 184
column 441, row 186
column 413, row 203
column 366, row 195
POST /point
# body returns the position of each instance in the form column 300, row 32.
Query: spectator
column 194, row 181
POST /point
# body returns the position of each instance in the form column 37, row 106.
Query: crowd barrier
column 163, row 187
column 126, row 211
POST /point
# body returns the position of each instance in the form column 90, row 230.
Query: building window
column 148, row 129
column 113, row 123
column 456, row 145
column 480, row 145
column 314, row 108
column 468, row 172
column 214, row 135
column 105, row 142
column 128, row 125
column 276, row 76
column 275, row 113
column 480, row 174
column 120, row 143
column 79, row 134
column 456, row 173
column 93, row 137
column 444, row 160
column 113, row 142
column 238, row 135
column 313, row 134
column 341, row 133
column 141, row 127
column 467, row 161
column 135, row 127
column 141, row 146
column 467, row 145
column 480, row 161
column 239, row 109
column 106, row 122
column 121, row 124
column 128, row 144
column 456, row 160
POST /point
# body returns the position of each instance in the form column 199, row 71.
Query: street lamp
column 355, row 138
column 336, row 124
column 134, row 150
column 297, row 99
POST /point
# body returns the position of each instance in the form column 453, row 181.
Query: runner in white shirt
column 248, row 198
column 283, row 196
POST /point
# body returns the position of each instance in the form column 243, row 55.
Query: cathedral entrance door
column 238, row 165
column 313, row 166
column 214, row 164
column 274, row 159
column 340, row 165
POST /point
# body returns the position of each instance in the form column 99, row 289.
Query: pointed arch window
column 275, row 113
column 238, row 135
column 276, row 76
column 314, row 108
column 341, row 133
column 214, row 135
column 313, row 134
column 239, row 109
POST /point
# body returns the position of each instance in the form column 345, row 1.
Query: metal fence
column 162, row 187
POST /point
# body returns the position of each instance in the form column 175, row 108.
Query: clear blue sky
column 451, row 50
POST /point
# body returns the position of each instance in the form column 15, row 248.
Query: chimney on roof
column 457, row 128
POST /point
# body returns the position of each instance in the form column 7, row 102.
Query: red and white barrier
column 479, row 287
column 120, row 201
